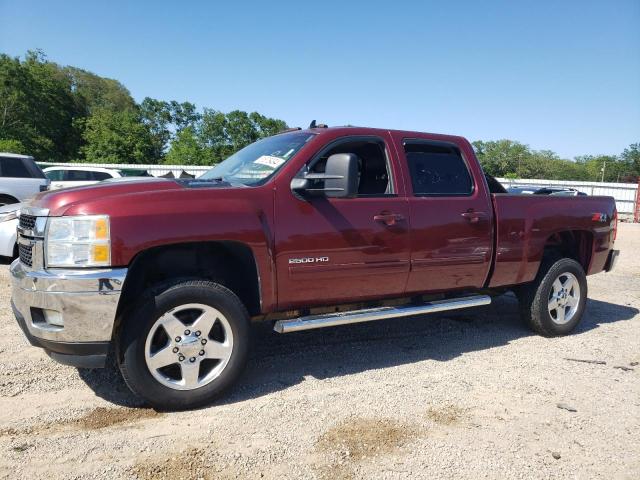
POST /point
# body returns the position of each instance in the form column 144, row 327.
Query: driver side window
column 374, row 177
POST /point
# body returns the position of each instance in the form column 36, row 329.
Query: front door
column 343, row 250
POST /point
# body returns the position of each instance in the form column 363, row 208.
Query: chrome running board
column 370, row 314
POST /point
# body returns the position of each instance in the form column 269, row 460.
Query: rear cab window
column 437, row 169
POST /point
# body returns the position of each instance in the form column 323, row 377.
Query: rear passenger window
column 55, row 175
column 79, row 176
column 437, row 169
column 99, row 176
column 13, row 167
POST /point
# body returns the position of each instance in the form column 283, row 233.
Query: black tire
column 138, row 322
column 534, row 297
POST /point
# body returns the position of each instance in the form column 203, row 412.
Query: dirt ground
column 466, row 396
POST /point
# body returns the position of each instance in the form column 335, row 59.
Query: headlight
column 82, row 241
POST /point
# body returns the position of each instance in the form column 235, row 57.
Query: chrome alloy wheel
column 189, row 346
column 564, row 298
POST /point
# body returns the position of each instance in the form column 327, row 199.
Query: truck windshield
column 256, row 163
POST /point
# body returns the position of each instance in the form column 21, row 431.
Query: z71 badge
column 308, row 260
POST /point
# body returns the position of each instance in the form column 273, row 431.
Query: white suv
column 76, row 176
column 20, row 178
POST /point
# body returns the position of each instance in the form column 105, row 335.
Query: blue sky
column 559, row 75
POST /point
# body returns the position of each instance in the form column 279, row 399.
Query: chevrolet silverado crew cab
column 306, row 229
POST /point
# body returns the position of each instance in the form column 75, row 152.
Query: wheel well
column 231, row 264
column 575, row 244
column 8, row 199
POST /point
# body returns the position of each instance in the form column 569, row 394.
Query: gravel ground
column 469, row 395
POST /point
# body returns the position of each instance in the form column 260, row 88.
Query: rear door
column 450, row 212
column 342, row 250
column 18, row 179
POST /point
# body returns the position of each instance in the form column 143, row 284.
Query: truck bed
column 524, row 224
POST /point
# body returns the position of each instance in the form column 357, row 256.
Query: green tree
column 165, row 120
column 502, row 157
column 93, row 92
column 116, row 137
column 186, row 149
column 156, row 115
column 593, row 165
column 630, row 159
column 212, row 134
column 12, row 146
column 37, row 107
column 183, row 115
column 224, row 134
column 510, row 159
column 565, row 170
column 266, row 126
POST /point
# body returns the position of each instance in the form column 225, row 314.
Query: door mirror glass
column 342, row 173
column 339, row 180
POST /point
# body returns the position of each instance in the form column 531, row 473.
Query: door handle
column 473, row 217
column 388, row 218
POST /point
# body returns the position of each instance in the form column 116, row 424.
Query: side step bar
column 368, row 315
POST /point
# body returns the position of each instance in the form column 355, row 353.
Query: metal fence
column 154, row 170
column 624, row 193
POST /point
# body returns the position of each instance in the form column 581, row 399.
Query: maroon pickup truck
column 306, row 229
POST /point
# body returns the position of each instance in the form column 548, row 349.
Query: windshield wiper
column 224, row 180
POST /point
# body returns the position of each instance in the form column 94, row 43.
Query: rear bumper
column 612, row 259
column 69, row 313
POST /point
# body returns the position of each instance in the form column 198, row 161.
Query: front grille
column 27, row 222
column 25, row 252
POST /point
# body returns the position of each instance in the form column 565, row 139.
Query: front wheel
column 182, row 346
column 554, row 302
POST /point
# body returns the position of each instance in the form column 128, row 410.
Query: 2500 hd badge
column 308, row 260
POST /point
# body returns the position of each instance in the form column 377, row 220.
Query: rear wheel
column 184, row 345
column 554, row 302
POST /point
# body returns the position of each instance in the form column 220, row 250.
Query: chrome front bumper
column 66, row 307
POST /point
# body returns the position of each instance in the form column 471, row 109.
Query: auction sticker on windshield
column 269, row 161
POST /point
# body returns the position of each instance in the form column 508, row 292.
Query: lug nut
column 203, row 341
column 178, row 339
column 198, row 332
column 192, row 359
column 175, row 350
column 181, row 358
column 187, row 332
column 201, row 352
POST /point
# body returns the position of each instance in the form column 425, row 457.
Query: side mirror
column 340, row 178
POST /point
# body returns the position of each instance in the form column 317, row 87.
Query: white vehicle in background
column 8, row 229
column 78, row 176
column 20, row 178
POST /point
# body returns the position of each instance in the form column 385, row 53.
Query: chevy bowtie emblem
column 600, row 217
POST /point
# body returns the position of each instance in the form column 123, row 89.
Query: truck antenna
column 313, row 124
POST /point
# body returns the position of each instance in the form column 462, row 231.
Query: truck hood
column 59, row 201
